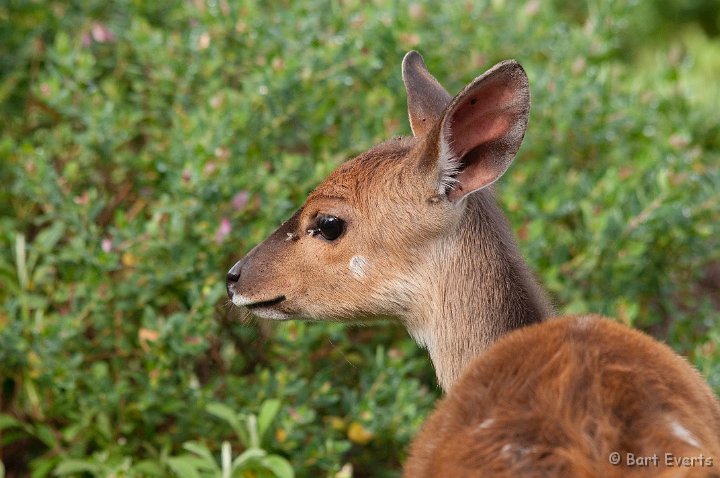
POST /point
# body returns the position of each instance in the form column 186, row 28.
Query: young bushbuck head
column 410, row 229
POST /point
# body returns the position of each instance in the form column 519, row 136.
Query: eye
column 330, row 227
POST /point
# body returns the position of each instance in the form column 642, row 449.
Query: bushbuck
column 410, row 230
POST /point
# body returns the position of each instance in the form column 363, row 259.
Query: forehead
column 380, row 166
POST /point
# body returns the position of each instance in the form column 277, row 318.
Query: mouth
column 265, row 303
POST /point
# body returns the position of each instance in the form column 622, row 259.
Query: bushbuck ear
column 482, row 129
column 427, row 99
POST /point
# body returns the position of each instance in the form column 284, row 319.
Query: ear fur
column 482, row 129
column 427, row 99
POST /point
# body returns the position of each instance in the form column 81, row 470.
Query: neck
column 483, row 289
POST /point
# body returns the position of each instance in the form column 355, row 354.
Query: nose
column 232, row 278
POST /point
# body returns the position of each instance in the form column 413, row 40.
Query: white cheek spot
column 683, row 433
column 357, row 266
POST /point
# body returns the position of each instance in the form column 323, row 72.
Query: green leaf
column 149, row 467
column 280, row 467
column 184, row 466
column 45, row 434
column 71, row 466
column 50, row 236
column 103, row 425
column 43, row 467
column 251, row 422
column 226, row 413
column 226, row 459
column 202, row 451
column 268, row 412
column 20, row 260
column 247, row 456
column 6, row 421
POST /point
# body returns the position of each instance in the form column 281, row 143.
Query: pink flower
column 83, row 199
column 223, row 230
column 102, row 34
column 209, row 168
column 106, row 244
column 240, row 200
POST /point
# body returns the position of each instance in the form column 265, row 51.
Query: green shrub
column 145, row 146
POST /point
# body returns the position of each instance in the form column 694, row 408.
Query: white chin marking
column 357, row 266
column 270, row 314
column 241, row 300
column 262, row 312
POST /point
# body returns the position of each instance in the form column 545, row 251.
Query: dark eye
column 330, row 227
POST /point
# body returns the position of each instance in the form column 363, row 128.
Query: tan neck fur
column 480, row 290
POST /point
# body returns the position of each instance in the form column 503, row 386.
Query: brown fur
column 418, row 253
column 448, row 269
column 555, row 399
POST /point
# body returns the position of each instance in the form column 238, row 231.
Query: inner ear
column 484, row 116
column 482, row 129
column 474, row 172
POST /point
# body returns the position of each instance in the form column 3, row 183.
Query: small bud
column 106, row 244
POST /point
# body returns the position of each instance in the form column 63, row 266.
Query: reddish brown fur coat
column 557, row 398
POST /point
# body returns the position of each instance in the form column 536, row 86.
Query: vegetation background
column 145, row 146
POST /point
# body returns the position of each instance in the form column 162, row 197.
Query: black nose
column 232, row 278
